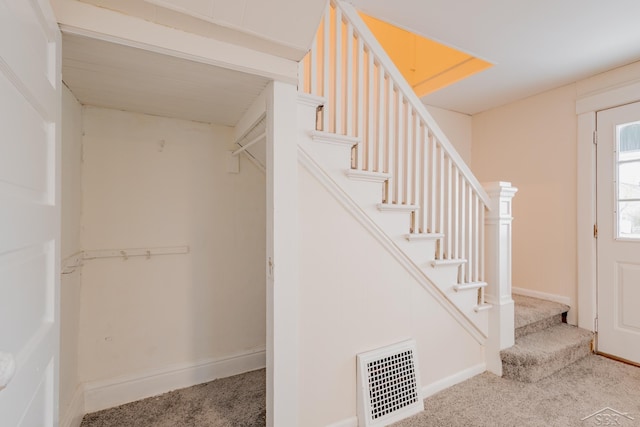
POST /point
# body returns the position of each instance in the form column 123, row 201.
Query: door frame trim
column 601, row 92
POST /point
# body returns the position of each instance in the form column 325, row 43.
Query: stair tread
column 444, row 262
column 482, row 307
column 543, row 346
column 334, row 138
column 530, row 310
column 469, row 285
column 396, row 207
column 423, row 236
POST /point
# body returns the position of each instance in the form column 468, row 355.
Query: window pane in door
column 629, row 220
column 629, row 141
column 628, row 181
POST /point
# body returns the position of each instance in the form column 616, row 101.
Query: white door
column 618, row 215
column 30, row 89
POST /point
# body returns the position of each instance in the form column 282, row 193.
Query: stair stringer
column 475, row 322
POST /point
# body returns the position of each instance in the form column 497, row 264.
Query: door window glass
column 628, row 182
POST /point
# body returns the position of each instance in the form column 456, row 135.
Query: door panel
column 618, row 244
column 30, row 89
column 627, row 296
column 20, row 274
column 31, row 146
column 29, row 21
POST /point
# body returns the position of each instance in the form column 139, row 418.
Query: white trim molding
column 74, row 412
column 348, row 422
column 585, row 220
column 117, row 391
column 458, row 377
column 374, row 230
column 611, row 89
column 86, row 20
column 498, row 247
column 429, row 390
column 543, row 295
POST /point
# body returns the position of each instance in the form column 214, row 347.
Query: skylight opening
column 427, row 65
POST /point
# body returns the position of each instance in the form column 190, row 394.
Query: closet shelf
column 134, row 252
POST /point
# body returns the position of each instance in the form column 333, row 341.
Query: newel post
column 498, row 271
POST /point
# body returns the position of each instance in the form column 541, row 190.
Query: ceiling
column 102, row 66
column 126, row 78
column 425, row 64
column 283, row 28
column 534, row 45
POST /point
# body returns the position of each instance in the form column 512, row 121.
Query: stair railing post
column 498, row 221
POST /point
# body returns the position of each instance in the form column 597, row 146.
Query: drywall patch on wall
column 154, row 182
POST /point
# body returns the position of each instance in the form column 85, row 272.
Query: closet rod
column 126, row 253
column 249, row 144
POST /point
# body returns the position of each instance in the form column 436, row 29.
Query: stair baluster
column 367, row 98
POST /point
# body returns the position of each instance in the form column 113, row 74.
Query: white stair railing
column 368, row 98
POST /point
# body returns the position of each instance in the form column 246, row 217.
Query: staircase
column 368, row 138
column 543, row 343
column 327, row 157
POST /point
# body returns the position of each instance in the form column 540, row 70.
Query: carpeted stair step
column 534, row 315
column 540, row 354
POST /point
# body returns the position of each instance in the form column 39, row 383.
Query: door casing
column 610, row 90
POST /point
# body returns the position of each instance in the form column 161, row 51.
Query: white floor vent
column 388, row 385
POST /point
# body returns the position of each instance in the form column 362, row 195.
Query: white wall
column 152, row 182
column 532, row 143
column 70, row 244
column 457, row 127
column 355, row 297
column 282, row 27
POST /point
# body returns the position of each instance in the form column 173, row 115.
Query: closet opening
column 164, row 227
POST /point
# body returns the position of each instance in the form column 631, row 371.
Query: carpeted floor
column 530, row 310
column 237, row 401
column 561, row 400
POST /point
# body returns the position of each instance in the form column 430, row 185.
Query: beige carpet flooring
column 237, row 401
column 561, row 400
column 533, row 314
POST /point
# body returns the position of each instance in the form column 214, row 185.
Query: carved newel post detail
column 498, row 271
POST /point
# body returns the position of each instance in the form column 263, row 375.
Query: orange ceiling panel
column 427, row 65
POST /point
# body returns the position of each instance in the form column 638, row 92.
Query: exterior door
column 30, row 88
column 618, row 244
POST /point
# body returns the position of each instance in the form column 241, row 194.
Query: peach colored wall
column 532, row 143
column 70, row 244
column 457, row 127
column 151, row 182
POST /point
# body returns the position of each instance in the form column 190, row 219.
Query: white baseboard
column 113, row 392
column 349, row 422
column 72, row 417
column 428, row 390
column 572, row 316
column 433, row 388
